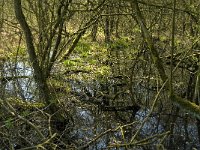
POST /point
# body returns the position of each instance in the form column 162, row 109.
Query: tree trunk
column 57, row 119
column 183, row 103
column 38, row 75
column 94, row 32
column 107, row 26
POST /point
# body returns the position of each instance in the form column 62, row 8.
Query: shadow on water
column 90, row 121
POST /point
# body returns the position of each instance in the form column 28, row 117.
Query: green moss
column 120, row 44
column 188, row 106
column 2, row 55
column 25, row 105
column 83, row 46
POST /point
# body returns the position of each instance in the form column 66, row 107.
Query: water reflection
column 19, row 82
column 90, row 123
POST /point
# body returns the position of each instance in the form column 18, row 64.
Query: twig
column 104, row 133
column 13, row 112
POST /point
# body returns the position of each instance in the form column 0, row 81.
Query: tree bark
column 41, row 80
column 185, row 104
column 107, row 26
column 38, row 75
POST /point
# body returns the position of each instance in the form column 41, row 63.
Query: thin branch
column 104, row 133
column 13, row 112
column 172, row 51
column 185, row 104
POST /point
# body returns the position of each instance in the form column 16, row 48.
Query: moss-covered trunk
column 185, row 104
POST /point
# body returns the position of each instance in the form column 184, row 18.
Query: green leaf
column 8, row 123
column 70, row 63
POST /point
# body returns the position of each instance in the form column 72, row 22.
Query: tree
column 99, row 74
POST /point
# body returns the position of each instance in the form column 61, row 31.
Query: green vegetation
column 99, row 74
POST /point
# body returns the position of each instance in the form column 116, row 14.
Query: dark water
column 90, row 122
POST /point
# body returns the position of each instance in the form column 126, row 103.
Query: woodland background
column 99, row 74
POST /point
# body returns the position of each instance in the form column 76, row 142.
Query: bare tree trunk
column 117, row 35
column 58, row 121
column 107, row 26
column 2, row 82
column 183, row 103
column 38, row 74
column 94, row 32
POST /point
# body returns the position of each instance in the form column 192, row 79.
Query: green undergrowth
column 91, row 59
